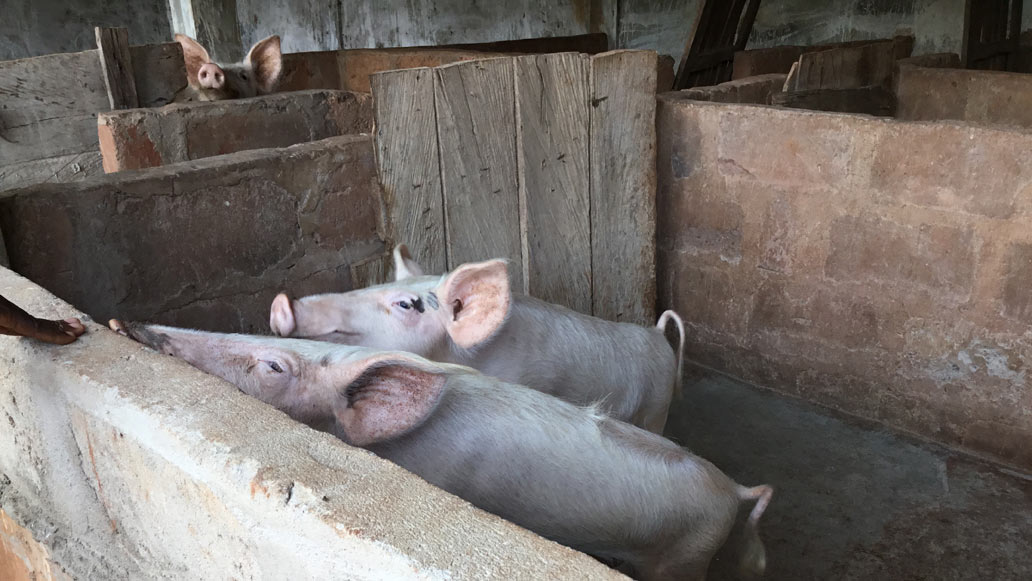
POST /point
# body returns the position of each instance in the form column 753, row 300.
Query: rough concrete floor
column 852, row 500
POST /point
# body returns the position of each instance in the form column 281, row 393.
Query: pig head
column 471, row 317
column 257, row 74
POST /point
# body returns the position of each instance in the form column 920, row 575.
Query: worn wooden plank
column 371, row 271
column 847, row 68
column 65, row 168
column 408, row 163
column 158, row 71
column 49, row 137
column 623, row 186
column 875, row 100
column 49, row 87
column 116, row 64
column 552, row 124
column 476, row 134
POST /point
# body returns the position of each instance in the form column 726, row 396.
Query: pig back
column 581, row 359
column 562, row 471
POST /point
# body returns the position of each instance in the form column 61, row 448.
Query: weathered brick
column 783, row 147
column 175, row 244
column 931, row 255
column 1017, row 283
column 955, row 167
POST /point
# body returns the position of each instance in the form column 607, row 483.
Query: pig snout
column 211, row 76
column 140, row 333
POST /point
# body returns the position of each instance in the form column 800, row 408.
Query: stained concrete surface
column 853, row 500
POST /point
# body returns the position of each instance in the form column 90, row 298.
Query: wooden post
column 623, row 186
column 477, row 137
column 117, row 67
column 409, row 164
column 552, row 125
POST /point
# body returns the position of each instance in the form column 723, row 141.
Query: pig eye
column 243, row 76
column 274, row 366
column 404, row 304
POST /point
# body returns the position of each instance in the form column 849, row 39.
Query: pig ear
column 281, row 316
column 266, row 61
column 388, row 399
column 194, row 56
column 404, row 266
column 476, row 297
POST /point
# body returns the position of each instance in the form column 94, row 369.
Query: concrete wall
column 127, row 464
column 878, row 267
column 984, row 97
column 139, row 138
column 207, row 243
column 38, row 27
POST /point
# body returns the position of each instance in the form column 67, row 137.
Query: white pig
column 571, row 474
column 470, row 317
column 208, row 81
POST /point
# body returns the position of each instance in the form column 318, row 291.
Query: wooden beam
column 117, row 67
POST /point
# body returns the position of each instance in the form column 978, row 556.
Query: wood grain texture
column 623, row 186
column 65, row 168
column 371, row 271
column 477, row 138
column 847, row 68
column 116, row 64
column 552, row 124
column 408, row 163
column 158, row 71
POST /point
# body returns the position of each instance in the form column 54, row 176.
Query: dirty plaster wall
column 36, row 27
column 875, row 266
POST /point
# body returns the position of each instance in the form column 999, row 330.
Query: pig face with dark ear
column 419, row 314
column 208, row 81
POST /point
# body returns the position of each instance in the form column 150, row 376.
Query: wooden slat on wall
column 117, row 66
column 159, row 72
column 477, row 139
column 552, row 126
column 623, row 186
column 408, row 162
column 848, row 67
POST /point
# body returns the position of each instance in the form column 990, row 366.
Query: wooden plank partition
column 546, row 160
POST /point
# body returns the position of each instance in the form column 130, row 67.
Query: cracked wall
column 875, row 266
column 207, row 243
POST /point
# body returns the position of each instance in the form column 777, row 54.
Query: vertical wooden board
column 623, row 186
column 159, row 72
column 371, row 271
column 476, row 132
column 408, row 163
column 117, row 67
column 552, row 151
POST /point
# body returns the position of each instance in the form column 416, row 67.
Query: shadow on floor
column 852, row 500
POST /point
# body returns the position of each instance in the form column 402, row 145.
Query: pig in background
column 470, row 317
column 257, row 74
column 568, row 473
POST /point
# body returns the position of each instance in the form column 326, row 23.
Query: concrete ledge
column 875, row 266
column 205, row 243
column 140, row 138
column 127, row 464
column 985, row 97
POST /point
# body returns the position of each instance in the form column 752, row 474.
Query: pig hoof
column 117, row 327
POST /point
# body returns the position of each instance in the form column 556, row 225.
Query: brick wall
column 202, row 244
column 878, row 267
column 140, row 138
column 985, row 97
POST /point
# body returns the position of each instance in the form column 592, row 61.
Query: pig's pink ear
column 281, row 316
column 194, row 56
column 388, row 399
column 404, row 266
column 476, row 297
column 267, row 62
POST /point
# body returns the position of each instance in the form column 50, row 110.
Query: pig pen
column 124, row 464
column 881, row 270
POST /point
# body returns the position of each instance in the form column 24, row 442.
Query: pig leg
column 15, row 321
